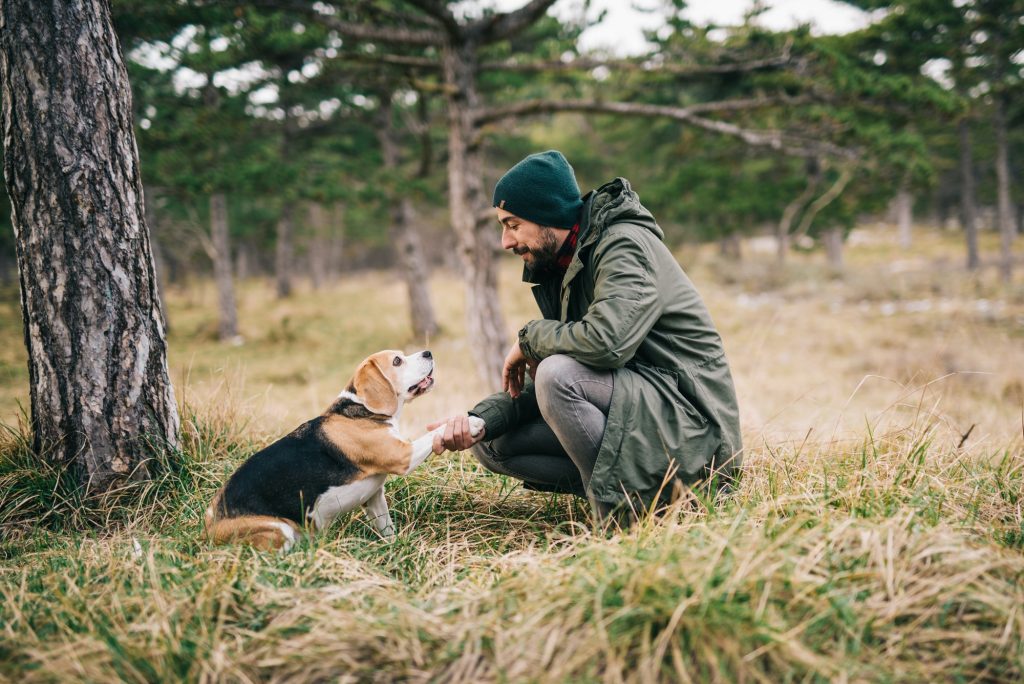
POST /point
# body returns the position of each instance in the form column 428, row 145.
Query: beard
column 545, row 255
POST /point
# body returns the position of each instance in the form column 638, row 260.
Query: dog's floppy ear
column 374, row 388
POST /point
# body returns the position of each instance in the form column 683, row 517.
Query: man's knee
column 552, row 377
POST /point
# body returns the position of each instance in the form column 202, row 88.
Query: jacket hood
column 615, row 202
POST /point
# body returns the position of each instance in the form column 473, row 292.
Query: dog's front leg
column 376, row 508
column 424, row 446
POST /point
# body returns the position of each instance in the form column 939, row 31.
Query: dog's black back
column 285, row 479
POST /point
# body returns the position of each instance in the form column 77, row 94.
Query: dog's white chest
column 344, row 498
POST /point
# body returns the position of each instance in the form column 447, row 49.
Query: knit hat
column 541, row 188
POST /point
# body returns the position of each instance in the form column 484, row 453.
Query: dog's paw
column 476, row 426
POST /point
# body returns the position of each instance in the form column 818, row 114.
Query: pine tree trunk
column 283, row 252
column 336, row 244
column 475, row 238
column 833, row 241
column 904, row 217
column 318, row 245
column 101, row 398
column 243, row 270
column 220, row 232
column 968, row 209
column 412, row 265
column 1004, row 205
column 159, row 265
column 730, row 247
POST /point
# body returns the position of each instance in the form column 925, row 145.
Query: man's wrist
column 524, row 343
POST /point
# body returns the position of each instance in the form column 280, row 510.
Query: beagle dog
column 332, row 463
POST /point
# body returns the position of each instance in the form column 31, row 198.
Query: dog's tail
column 262, row 531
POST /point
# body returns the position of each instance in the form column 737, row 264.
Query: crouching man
column 621, row 393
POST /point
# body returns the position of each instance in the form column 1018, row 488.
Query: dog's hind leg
column 376, row 508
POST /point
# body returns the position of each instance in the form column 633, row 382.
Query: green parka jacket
column 625, row 304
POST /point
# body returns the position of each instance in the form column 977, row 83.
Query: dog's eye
column 397, row 361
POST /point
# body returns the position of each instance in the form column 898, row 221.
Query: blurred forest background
column 303, row 141
column 296, row 143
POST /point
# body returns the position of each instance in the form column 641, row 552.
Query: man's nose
column 507, row 242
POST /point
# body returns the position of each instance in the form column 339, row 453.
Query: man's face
column 537, row 245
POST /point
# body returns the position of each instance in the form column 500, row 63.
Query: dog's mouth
column 423, row 385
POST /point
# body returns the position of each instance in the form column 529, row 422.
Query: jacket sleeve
column 625, row 307
column 502, row 413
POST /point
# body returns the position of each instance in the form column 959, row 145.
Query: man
column 622, row 392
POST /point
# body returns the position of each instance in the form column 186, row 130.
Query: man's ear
column 374, row 388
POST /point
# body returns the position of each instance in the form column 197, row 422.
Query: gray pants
column 556, row 452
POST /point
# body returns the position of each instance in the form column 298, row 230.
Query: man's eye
column 397, row 361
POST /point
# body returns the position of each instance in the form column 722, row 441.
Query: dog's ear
column 374, row 388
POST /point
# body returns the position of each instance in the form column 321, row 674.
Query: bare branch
column 798, row 203
column 500, row 26
column 391, row 60
column 439, row 12
column 826, row 198
column 785, row 142
column 684, row 72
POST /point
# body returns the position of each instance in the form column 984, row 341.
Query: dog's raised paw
column 476, row 426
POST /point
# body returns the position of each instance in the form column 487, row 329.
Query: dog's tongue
column 424, row 384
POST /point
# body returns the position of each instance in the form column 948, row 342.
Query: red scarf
column 568, row 248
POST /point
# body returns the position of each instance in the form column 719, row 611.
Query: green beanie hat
column 541, row 188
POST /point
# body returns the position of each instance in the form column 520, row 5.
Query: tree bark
column 318, row 244
column 408, row 247
column 1004, row 205
column 475, row 240
column 832, row 238
column 283, row 251
column 904, row 217
column 968, row 208
column 413, row 265
column 100, row 394
column 159, row 264
column 729, row 246
column 336, row 245
column 219, row 231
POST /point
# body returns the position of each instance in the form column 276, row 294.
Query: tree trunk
column 336, row 245
column 904, row 217
column 100, row 394
column 729, row 246
column 467, row 201
column 159, row 264
column 219, row 231
column 283, row 252
column 408, row 247
column 413, row 265
column 1004, row 205
column 832, row 238
column 318, row 244
column 243, row 260
column 968, row 209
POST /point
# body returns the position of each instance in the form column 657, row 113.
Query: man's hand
column 460, row 432
column 513, row 373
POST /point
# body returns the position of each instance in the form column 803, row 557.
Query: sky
column 622, row 29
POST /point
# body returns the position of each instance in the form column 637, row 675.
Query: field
column 877, row 534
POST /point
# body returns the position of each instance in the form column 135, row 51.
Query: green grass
column 868, row 539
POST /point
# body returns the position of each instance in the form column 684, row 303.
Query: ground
column 877, row 534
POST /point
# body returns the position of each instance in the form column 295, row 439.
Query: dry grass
column 868, row 541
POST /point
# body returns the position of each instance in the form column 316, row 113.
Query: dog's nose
column 427, row 354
